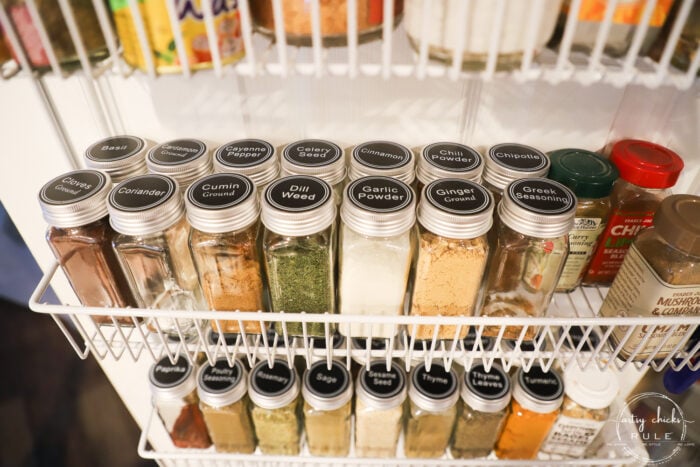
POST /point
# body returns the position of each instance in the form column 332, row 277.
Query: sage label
column 297, row 193
column 244, row 153
column 165, row 374
column 115, row 148
column 177, row 152
column 546, row 386
column 436, row 383
column 489, row 385
column 542, row 196
column 142, row 193
column 460, row 197
column 220, row 377
column 220, row 191
column 518, row 157
column 72, row 187
column 327, row 383
column 312, row 153
column 380, row 194
column 452, row 156
column 382, row 383
column 382, row 155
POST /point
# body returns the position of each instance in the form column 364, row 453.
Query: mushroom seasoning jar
column 317, row 158
column 121, row 156
column 185, row 160
column 254, row 158
column 382, row 158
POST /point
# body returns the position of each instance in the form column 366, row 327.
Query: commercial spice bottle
column 276, row 411
column 660, row 276
column 79, row 235
column 327, row 396
column 453, row 218
column 223, row 210
column 185, row 160
column 376, row 249
column 174, row 390
column 433, row 396
column 299, row 245
column 482, row 412
column 379, row 408
column 254, row 158
column 149, row 215
column 448, row 160
column 586, row 408
column 121, row 156
column 317, row 158
column 382, row 158
column 591, row 177
column 536, row 216
column 225, row 406
column 647, row 171
column 537, row 397
column 508, row 162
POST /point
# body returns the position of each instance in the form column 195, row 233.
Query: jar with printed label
column 647, row 172
column 660, row 276
column 317, row 158
column 121, row 156
column 382, row 158
column 447, row 160
column 254, row 158
column 508, row 162
column 185, row 160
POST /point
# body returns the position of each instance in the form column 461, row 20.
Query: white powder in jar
column 376, row 430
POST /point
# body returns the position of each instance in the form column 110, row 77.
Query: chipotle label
column 518, row 157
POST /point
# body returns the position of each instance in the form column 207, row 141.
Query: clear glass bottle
column 120, row 156
column 382, row 158
column 318, row 347
column 185, row 160
column 225, row 406
column 377, row 241
column 508, row 162
column 299, row 245
column 223, row 210
column 447, row 160
column 148, row 213
column 254, row 158
column 317, row 158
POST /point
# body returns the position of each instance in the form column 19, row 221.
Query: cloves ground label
column 72, row 187
column 244, row 153
column 114, row 149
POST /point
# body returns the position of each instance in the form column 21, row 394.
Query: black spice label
column 320, row 342
column 518, row 157
column 114, row 149
column 272, row 334
column 375, row 344
column 436, row 383
column 230, row 338
column 244, row 153
column 576, row 336
column 489, row 385
column 469, row 341
column 380, row 194
column 542, row 385
column 452, row 156
column 298, row 193
column 382, row 383
column 220, row 377
column 382, row 155
column 220, row 191
column 142, row 193
column 460, row 197
column 542, row 196
column 525, row 346
column 177, row 152
column 165, row 374
column 312, row 153
column 272, row 381
column 323, row 382
column 72, row 187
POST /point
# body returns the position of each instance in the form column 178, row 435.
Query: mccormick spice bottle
column 174, row 389
column 185, row 160
column 453, row 218
column 276, row 411
column 225, row 406
column 647, row 171
column 223, row 211
column 121, row 156
column 433, row 397
column 508, row 162
column 299, row 245
column 327, row 409
column 382, row 158
column 379, row 407
column 254, row 158
column 80, row 237
column 448, row 160
column 660, row 276
column 318, row 158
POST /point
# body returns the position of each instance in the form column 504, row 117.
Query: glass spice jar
column 276, row 411
column 299, row 246
column 447, row 160
column 185, row 160
column 121, row 156
column 382, row 158
column 327, row 393
column 379, row 407
column 432, row 411
column 536, row 216
column 482, row 412
column 225, row 406
column 376, row 249
column 537, row 397
column 647, row 172
column 508, row 162
column 254, row 158
column 317, row 158
column 223, row 211
column 80, row 237
column 318, row 347
column 453, row 218
column 174, row 390
column 149, row 215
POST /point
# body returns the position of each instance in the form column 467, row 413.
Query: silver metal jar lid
column 449, row 160
column 327, row 389
column 220, row 385
column 316, row 157
column 254, row 158
column 378, row 206
column 537, row 390
column 145, row 205
column 120, row 156
column 221, row 203
column 185, row 160
column 75, row 198
column 486, row 391
column 170, row 381
column 379, row 388
column 298, row 205
column 511, row 161
column 383, row 158
column 456, row 208
column 538, row 207
column 434, row 390
column 273, row 387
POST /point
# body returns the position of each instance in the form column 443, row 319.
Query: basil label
column 220, row 191
column 177, row 152
column 489, row 385
column 460, row 197
column 297, row 193
column 272, row 381
column 546, row 386
column 220, row 377
column 436, row 383
column 244, row 153
column 382, row 383
column 323, row 382
column 542, row 196
column 142, row 193
column 518, row 157
column 114, row 149
column 380, row 194
column 165, row 374
column 382, row 155
column 486, row 342
column 72, row 187
column 452, row 156
column 312, row 153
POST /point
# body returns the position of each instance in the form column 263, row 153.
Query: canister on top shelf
column 185, row 160
column 647, row 172
column 121, row 156
column 508, row 162
column 254, row 158
column 318, row 158
column 447, row 160
column 382, row 158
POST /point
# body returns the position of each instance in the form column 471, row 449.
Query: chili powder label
column 452, row 156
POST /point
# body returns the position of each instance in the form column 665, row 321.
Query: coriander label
column 142, row 193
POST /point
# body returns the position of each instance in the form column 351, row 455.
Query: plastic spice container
column 537, row 397
column 299, row 245
column 379, row 407
column 586, row 408
column 536, row 216
column 121, row 156
column 80, row 237
column 591, row 178
column 254, row 158
column 508, row 162
column 482, row 412
column 148, row 213
column 277, row 409
column 376, row 249
column 647, row 171
column 225, row 406
column 433, row 397
column 185, row 160
column 659, row 277
column 223, row 211
column 382, row 158
column 174, row 389
column 327, row 396
column 448, row 160
column 453, row 218
column 318, row 158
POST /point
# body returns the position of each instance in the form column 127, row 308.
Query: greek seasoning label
column 546, row 386
column 485, row 343
column 542, row 196
column 452, row 156
column 382, row 383
column 142, row 193
column 437, row 383
column 489, row 385
column 297, row 193
column 114, row 149
column 518, row 157
column 582, row 240
column 165, row 374
column 312, row 153
column 220, row 377
column 458, row 196
column 272, row 381
column 382, row 155
column 380, row 194
column 244, row 153
column 571, row 436
column 177, row 152
column 72, row 187
column 327, row 383
column 220, row 191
